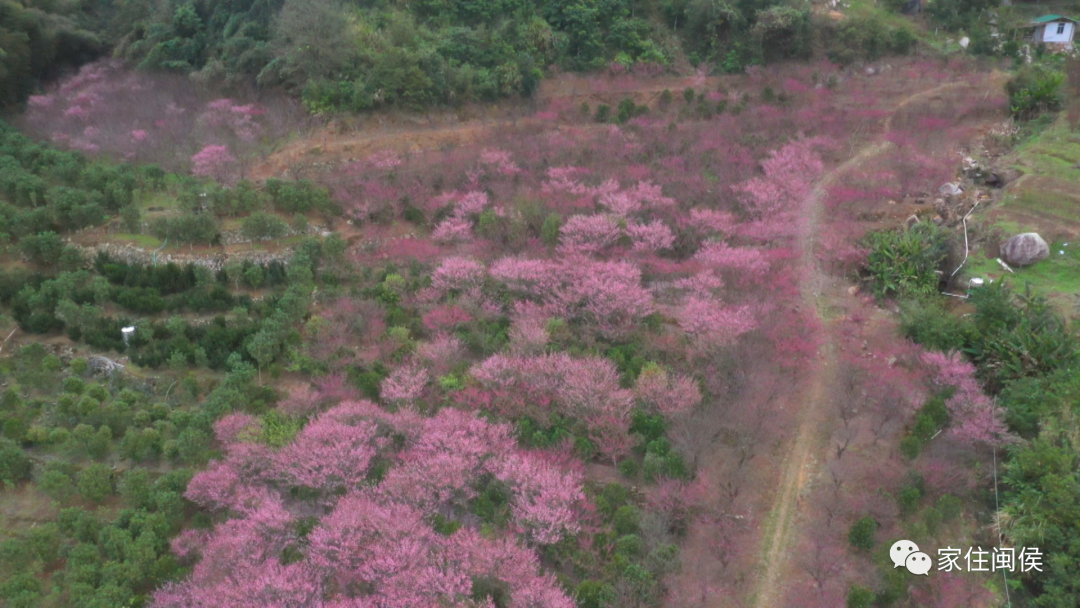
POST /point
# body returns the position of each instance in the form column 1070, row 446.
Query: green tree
column 265, row 345
column 264, row 226
column 314, row 42
column 43, row 248
column 135, row 488
column 253, row 276
column 57, row 484
column 95, row 482
column 14, row 464
column 862, row 533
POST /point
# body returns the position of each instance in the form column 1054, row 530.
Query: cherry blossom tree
column 710, row 324
column 667, row 393
column 405, row 385
column 302, row 401
column 445, row 317
column 975, row 416
column 588, row 234
column 654, row 236
column 453, row 230
column 606, row 294
column 747, row 260
column 375, row 545
column 442, row 353
column 213, row 161
column 328, row 454
column 456, row 275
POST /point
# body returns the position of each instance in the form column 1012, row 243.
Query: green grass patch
column 1057, row 277
column 1048, row 199
column 145, row 241
column 1053, row 152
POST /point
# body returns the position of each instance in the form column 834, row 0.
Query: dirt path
column 818, row 291
column 414, row 135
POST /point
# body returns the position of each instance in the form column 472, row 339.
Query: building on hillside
column 1054, row 30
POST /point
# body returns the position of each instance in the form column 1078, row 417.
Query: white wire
column 997, row 508
column 965, row 240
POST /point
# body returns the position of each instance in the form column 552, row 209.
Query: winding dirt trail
column 818, row 291
column 413, row 135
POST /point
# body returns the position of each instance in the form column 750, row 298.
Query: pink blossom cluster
column 653, row 236
column 140, row 116
column 773, row 198
column 457, row 275
column 975, row 418
column 213, row 161
column 224, row 117
column 592, row 234
column 607, row 294
column 588, row 234
column 710, row 221
column 564, row 180
column 745, row 260
column 375, row 545
column 499, row 159
column 443, row 352
column 586, row 388
column 405, row 385
column 528, row 330
column 660, row 391
column 446, row 317
column 385, row 160
column 710, row 324
column 645, row 196
column 459, row 226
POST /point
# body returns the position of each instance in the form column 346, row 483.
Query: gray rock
column 950, row 189
column 1025, row 249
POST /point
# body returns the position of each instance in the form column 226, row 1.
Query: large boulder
column 1025, row 249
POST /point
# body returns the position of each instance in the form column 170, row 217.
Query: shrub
column 611, row 498
column 926, row 322
column 862, row 533
column 142, row 300
column 264, row 226
column 628, row 109
column 908, row 499
column 949, row 507
column 1005, row 328
column 603, row 113
column 95, row 482
column 44, row 248
column 73, row 385
column 860, row 597
column 958, row 14
column 14, row 463
column 188, row 228
column 549, row 231
column 1035, row 89
column 595, row 594
column 910, row 447
column 627, row 520
column 905, row 263
column 298, row 196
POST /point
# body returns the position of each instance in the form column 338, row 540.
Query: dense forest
column 359, row 55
